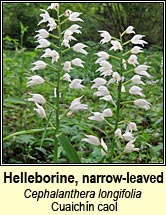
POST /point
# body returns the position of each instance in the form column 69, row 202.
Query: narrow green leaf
column 15, row 100
column 69, row 149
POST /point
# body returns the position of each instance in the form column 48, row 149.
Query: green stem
column 26, row 132
column 118, row 102
column 58, row 90
column 52, row 35
column 108, row 123
column 52, row 67
column 49, row 104
column 66, row 50
column 131, row 70
column 127, row 102
column 57, row 47
column 52, row 85
column 62, row 21
column 127, row 82
column 120, row 155
column 117, row 58
column 128, row 52
column 126, row 42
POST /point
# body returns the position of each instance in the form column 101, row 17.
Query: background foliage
column 147, row 18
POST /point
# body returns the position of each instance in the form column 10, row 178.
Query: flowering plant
column 56, row 42
column 119, row 80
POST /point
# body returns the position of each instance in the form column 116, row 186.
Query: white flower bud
column 133, row 60
column 137, row 39
column 38, row 98
column 98, row 82
column 40, row 110
column 135, row 90
column 97, row 117
column 35, row 80
column 76, row 105
column 116, row 45
column 76, row 84
column 39, row 65
column 129, row 30
column 53, row 6
column 74, row 17
column 127, row 136
column 142, row 103
column 106, row 37
column 66, row 77
column 43, row 43
column 67, row 66
column 42, row 34
column 136, row 79
column 118, row 133
column 136, row 50
column 79, row 47
column 78, row 62
column 130, row 147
